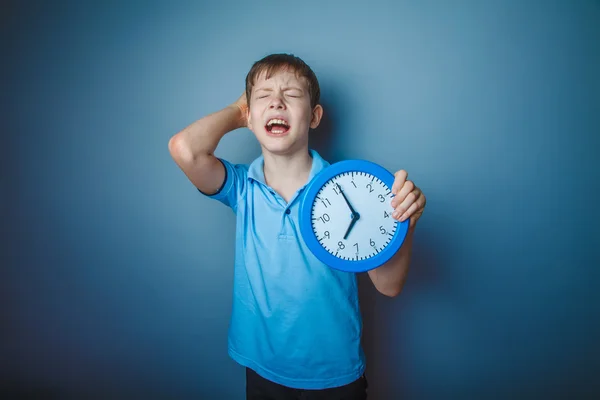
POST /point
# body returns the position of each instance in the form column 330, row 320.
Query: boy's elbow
column 390, row 292
column 179, row 149
column 390, row 289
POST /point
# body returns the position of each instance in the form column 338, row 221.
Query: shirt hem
column 309, row 384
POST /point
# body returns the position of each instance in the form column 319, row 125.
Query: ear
column 248, row 119
column 317, row 114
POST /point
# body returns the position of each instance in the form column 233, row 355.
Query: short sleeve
column 233, row 186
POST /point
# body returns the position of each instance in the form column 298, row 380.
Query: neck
column 289, row 171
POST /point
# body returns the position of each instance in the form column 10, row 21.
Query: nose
column 277, row 102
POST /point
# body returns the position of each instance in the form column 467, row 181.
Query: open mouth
column 277, row 126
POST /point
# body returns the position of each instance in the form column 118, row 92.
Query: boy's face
column 280, row 114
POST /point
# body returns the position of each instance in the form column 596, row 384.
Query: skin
column 287, row 162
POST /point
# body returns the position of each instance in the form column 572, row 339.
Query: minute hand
column 346, row 199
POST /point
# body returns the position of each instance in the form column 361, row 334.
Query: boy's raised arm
column 193, row 148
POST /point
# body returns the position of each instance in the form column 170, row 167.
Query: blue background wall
column 116, row 274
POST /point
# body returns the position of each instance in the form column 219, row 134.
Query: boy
column 295, row 323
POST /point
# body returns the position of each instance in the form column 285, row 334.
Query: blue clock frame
column 305, row 217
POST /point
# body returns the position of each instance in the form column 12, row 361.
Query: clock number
column 325, row 218
column 341, row 245
column 370, row 187
column 381, row 198
column 325, row 200
column 383, row 231
column 326, row 234
column 385, row 214
column 356, row 244
column 372, row 243
column 353, row 183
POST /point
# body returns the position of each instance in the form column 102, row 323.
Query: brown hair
column 275, row 62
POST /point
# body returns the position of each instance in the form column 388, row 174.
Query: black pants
column 259, row 388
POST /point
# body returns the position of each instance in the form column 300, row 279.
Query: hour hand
column 354, row 219
column 346, row 199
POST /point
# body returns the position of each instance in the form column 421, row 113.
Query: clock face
column 352, row 216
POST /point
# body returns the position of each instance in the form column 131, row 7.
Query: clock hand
column 355, row 217
column 346, row 199
column 349, row 228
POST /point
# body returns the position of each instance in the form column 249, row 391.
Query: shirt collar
column 256, row 170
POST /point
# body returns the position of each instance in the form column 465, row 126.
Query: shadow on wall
column 387, row 370
column 26, row 390
column 325, row 139
column 321, row 139
column 386, row 373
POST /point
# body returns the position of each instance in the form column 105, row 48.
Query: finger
column 409, row 199
column 408, row 187
column 409, row 213
column 415, row 209
column 399, row 179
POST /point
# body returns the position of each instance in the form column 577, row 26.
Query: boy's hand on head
column 242, row 105
column 409, row 201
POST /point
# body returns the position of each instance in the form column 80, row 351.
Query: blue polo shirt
column 294, row 320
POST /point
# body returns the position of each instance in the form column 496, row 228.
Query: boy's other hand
column 409, row 201
column 242, row 105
